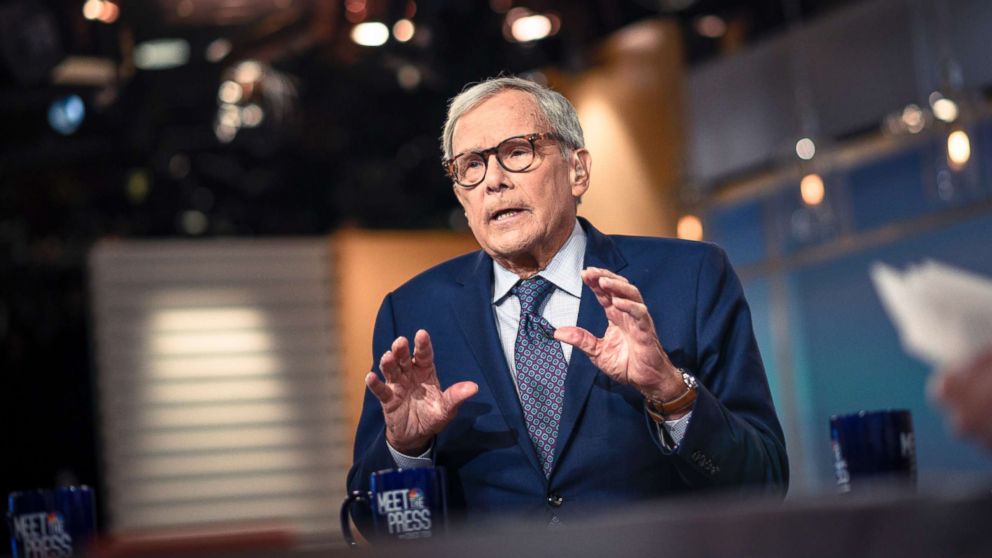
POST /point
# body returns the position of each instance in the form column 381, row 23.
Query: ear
column 579, row 171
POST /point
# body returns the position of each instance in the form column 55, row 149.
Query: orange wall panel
column 630, row 105
column 370, row 264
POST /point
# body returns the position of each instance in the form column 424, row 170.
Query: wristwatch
column 659, row 411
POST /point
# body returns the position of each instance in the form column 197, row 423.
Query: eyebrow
column 476, row 148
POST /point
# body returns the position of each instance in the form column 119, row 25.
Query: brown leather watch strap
column 660, row 410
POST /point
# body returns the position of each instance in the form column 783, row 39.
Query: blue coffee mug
column 873, row 447
column 405, row 504
column 57, row 522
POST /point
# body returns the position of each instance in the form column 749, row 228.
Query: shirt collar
column 562, row 271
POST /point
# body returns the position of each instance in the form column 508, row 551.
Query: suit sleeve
column 734, row 437
column 371, row 451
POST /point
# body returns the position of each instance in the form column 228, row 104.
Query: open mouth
column 504, row 214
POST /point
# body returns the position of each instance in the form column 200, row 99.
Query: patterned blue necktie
column 540, row 367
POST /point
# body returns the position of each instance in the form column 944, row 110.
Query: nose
column 495, row 179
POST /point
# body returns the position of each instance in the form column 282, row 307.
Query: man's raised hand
column 629, row 351
column 414, row 406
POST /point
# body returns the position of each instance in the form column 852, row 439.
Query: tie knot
column 531, row 293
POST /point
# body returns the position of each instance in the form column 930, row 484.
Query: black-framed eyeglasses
column 514, row 154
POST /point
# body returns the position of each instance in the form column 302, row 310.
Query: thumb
column 578, row 338
column 458, row 393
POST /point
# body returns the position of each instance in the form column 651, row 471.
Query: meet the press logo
column 42, row 535
column 406, row 512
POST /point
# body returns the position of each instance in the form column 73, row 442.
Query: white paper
column 943, row 314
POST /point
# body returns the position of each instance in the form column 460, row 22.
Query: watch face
column 689, row 380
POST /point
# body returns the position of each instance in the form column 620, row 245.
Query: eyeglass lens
column 514, row 155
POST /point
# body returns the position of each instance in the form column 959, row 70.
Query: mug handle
column 356, row 496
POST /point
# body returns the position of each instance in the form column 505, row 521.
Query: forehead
column 508, row 113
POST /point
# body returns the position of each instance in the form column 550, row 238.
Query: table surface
column 952, row 521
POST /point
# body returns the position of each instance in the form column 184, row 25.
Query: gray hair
column 558, row 112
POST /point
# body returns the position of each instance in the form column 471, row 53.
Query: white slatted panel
column 218, row 391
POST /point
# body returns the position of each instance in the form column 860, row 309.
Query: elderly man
column 559, row 370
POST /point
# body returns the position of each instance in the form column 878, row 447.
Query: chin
column 504, row 251
column 511, row 243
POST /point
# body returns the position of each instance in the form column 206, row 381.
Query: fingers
column 390, row 363
column 618, row 296
column 401, row 350
column 636, row 310
column 398, row 360
column 380, row 390
column 641, row 325
column 423, row 349
column 455, row 395
column 578, row 338
column 611, row 288
column 594, row 273
column 590, row 277
column 611, row 284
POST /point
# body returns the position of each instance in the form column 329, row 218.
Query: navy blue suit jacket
column 607, row 452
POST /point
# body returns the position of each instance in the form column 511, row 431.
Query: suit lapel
column 473, row 310
column 600, row 252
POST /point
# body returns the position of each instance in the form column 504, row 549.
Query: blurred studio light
column 408, row 76
column 101, row 10
column 224, row 132
column 248, row 72
column 85, row 70
column 252, row 115
column 194, row 223
column 66, row 114
column 958, row 149
column 355, row 11
column 371, row 34
column 689, row 227
column 523, row 26
column 811, row 188
column 230, row 92
column 92, row 9
column 914, row 119
column 403, row 30
column 805, row 149
column 252, row 94
column 943, row 108
column 217, row 50
column 137, row 186
column 229, row 115
column 531, row 28
column 161, row 54
column 711, row 26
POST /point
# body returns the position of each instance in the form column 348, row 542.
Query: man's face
column 520, row 219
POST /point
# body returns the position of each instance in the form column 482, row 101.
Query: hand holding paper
column 943, row 314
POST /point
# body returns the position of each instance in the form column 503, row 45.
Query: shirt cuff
column 675, row 430
column 404, row 461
